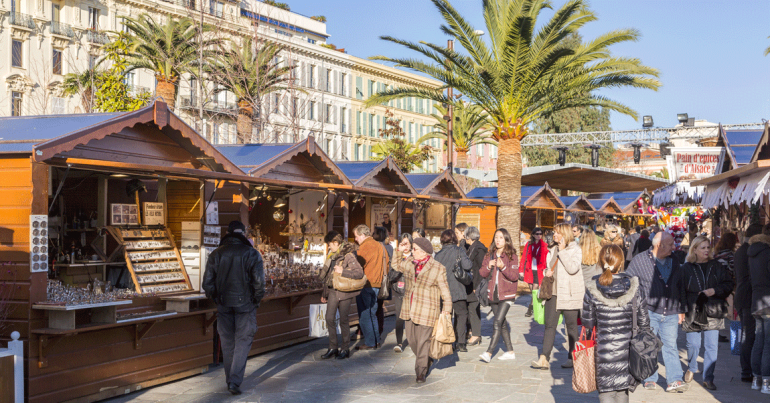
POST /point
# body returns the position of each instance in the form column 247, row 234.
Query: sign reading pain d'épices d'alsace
column 692, row 163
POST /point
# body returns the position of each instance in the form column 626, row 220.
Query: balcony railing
column 22, row 20
column 228, row 108
column 60, row 28
column 95, row 36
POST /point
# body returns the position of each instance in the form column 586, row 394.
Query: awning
column 678, row 193
column 587, row 179
column 750, row 181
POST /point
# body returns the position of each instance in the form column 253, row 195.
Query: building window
column 328, row 114
column 294, row 67
column 358, row 122
column 58, row 106
column 343, row 114
column 371, row 125
column 311, row 41
column 55, row 13
column 93, row 18
column 329, row 148
column 359, row 88
column 216, row 8
column 343, row 78
column 371, row 87
column 16, row 103
column 311, row 79
column 57, row 61
column 312, row 110
column 492, row 151
column 277, row 104
column 328, row 80
column 357, row 150
column 16, row 53
column 294, row 106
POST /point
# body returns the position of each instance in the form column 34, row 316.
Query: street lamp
column 647, row 121
column 637, row 150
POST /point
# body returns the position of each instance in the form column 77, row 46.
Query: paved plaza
column 297, row 374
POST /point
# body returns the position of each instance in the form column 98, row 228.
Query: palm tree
column 168, row 50
column 84, row 85
column 471, row 128
column 767, row 51
column 249, row 71
column 523, row 73
column 407, row 156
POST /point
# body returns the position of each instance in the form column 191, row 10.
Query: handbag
column 716, row 308
column 384, row 292
column 464, row 277
column 584, row 364
column 344, row 284
column 483, row 293
column 440, row 344
column 546, row 289
column 644, row 349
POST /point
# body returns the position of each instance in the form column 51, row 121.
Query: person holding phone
column 501, row 267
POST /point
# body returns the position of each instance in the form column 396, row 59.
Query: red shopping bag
column 584, row 368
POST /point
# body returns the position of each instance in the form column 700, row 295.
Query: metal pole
column 450, row 123
column 200, row 73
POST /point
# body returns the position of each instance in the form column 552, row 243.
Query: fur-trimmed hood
column 619, row 293
column 758, row 244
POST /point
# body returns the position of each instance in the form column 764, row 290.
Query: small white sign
column 212, row 213
column 153, row 214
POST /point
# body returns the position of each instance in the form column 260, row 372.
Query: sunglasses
column 538, row 233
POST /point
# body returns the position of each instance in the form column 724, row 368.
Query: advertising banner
column 692, row 163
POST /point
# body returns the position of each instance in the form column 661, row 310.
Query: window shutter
column 366, row 124
column 350, row 121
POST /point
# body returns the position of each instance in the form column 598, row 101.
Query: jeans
column 332, row 305
column 711, row 347
column 366, row 302
column 760, row 354
column 667, row 329
column 748, row 329
column 500, row 326
column 236, row 328
column 616, row 396
column 460, row 309
column 398, row 301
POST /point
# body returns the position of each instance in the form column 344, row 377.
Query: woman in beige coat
column 564, row 264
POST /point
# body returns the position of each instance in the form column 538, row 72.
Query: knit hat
column 236, row 227
column 424, row 244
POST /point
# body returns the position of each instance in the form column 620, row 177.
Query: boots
column 542, row 363
column 330, row 353
column 529, row 311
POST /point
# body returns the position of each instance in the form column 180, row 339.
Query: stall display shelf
column 153, row 259
column 299, row 234
column 89, row 263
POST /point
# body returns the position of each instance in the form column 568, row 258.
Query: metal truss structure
column 651, row 135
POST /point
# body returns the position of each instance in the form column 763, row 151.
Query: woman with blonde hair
column 612, row 236
column 608, row 307
column 564, row 264
column 708, row 284
column 590, row 248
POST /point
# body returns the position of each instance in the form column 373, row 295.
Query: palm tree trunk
column 509, row 188
column 462, row 162
column 166, row 90
column 85, row 99
column 245, row 123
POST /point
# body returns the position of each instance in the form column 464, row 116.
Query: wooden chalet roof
column 607, row 206
column 303, row 162
column 531, row 196
column 152, row 136
column 436, row 184
column 378, row 175
column 577, row 203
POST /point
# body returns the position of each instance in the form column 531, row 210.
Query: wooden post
column 331, row 201
column 399, row 205
column 40, row 177
column 345, row 204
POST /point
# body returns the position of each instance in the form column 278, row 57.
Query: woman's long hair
column 565, row 230
column 694, row 245
column 507, row 249
column 611, row 260
column 590, row 247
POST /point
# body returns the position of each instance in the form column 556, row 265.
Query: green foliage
column 319, row 18
column 663, row 174
column 524, row 70
column 249, row 70
column 282, row 6
column 471, row 127
column 407, row 156
column 543, row 155
column 329, row 46
column 112, row 93
column 168, row 49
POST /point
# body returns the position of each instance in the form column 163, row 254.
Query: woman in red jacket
column 533, row 263
column 501, row 268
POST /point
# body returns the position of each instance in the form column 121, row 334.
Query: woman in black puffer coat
column 449, row 256
column 608, row 306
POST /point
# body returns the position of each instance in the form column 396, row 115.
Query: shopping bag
column 643, row 349
column 735, row 337
column 538, row 309
column 584, row 367
column 318, row 321
column 439, row 349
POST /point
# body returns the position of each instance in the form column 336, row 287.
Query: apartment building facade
column 43, row 40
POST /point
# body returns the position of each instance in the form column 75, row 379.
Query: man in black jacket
column 235, row 280
column 476, row 253
column 662, row 285
column 742, row 301
column 759, row 269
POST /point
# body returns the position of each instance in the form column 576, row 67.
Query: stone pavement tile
column 265, row 385
column 395, row 386
column 182, row 398
column 485, row 392
column 520, row 397
column 173, row 388
column 331, row 396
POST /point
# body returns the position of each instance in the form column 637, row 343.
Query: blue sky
column 709, row 53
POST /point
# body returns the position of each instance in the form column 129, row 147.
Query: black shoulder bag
column 464, row 277
column 645, row 346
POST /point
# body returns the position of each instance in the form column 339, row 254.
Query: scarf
column 419, row 265
column 535, row 250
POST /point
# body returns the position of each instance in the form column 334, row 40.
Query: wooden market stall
column 578, row 209
column 96, row 198
column 383, row 189
column 634, row 206
column 436, row 207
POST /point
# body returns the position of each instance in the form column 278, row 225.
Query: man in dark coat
column 742, row 301
column 759, row 269
column 476, row 253
column 235, row 280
